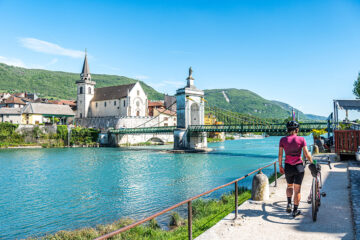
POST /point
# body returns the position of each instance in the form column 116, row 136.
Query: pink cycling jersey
column 292, row 145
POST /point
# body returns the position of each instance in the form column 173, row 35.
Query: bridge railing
column 189, row 202
column 166, row 129
column 261, row 127
column 276, row 127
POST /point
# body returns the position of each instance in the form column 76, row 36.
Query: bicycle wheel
column 314, row 203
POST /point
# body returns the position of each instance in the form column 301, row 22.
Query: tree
column 356, row 89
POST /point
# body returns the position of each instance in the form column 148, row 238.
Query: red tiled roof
column 155, row 104
column 166, row 111
column 63, row 102
column 14, row 100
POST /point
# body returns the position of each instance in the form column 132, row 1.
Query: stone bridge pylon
column 190, row 107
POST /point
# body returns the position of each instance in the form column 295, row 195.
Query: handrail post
column 275, row 174
column 236, row 199
column 190, row 220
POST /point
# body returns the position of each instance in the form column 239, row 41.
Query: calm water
column 47, row 190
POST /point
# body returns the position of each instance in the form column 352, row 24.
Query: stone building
column 115, row 101
column 38, row 113
column 11, row 115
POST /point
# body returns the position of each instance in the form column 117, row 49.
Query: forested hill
column 245, row 101
column 61, row 85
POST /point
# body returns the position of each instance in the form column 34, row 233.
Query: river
column 47, row 190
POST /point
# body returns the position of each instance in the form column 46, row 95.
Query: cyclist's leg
column 289, row 175
column 297, row 192
column 297, row 187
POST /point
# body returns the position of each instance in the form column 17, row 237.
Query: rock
column 260, row 187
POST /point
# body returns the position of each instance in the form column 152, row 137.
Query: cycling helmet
column 292, row 125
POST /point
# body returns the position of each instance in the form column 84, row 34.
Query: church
column 116, row 101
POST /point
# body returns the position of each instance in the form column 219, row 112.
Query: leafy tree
column 356, row 89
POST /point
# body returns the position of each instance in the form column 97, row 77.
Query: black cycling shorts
column 294, row 173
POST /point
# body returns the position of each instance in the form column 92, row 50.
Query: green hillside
column 58, row 84
column 245, row 101
column 62, row 85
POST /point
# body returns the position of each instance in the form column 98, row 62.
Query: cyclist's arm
column 307, row 154
column 281, row 150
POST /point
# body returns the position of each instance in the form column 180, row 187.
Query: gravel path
column 268, row 220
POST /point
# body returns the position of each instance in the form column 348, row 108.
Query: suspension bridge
column 191, row 132
column 234, row 123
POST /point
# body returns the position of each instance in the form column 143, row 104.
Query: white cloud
column 12, row 61
column 141, row 77
column 50, row 48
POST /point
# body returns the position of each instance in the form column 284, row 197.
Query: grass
column 206, row 213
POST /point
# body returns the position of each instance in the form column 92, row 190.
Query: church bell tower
column 85, row 91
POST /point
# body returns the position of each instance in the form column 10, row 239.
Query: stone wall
column 25, row 128
column 117, row 122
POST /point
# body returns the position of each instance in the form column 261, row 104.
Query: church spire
column 85, row 73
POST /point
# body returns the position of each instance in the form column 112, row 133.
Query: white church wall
column 108, row 108
column 138, row 101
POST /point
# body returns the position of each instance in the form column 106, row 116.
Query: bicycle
column 315, row 195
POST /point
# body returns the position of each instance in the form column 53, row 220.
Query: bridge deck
column 242, row 128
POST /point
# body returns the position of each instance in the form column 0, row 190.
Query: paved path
column 268, row 220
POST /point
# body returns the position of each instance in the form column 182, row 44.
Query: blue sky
column 304, row 53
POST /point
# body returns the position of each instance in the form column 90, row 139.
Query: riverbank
column 53, row 136
column 206, row 213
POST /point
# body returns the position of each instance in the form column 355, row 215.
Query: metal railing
column 188, row 202
column 241, row 128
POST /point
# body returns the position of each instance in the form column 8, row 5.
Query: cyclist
column 294, row 166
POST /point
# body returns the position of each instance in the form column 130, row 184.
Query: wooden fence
column 347, row 141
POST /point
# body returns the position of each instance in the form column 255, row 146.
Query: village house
column 165, row 117
column 12, row 102
column 10, row 115
column 38, row 113
column 152, row 105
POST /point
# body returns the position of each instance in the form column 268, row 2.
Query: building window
column 165, row 124
column 104, row 104
column 138, row 92
column 165, row 118
column 89, row 90
column 96, row 104
column 137, row 103
column 137, row 113
column 114, row 103
column 80, row 115
column 124, row 103
column 81, row 90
